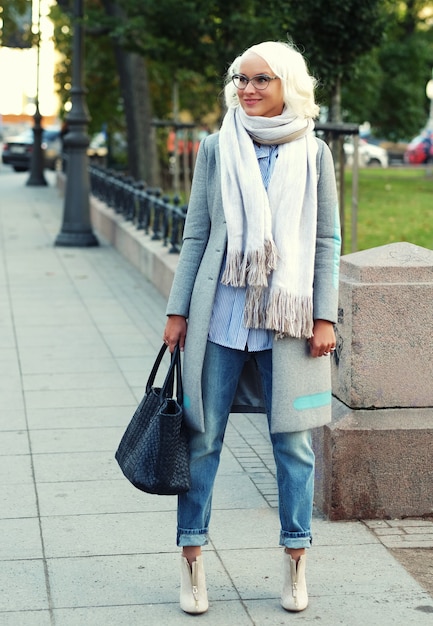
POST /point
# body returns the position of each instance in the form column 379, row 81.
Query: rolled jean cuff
column 295, row 540
column 192, row 537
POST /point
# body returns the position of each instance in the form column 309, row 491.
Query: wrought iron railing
column 147, row 208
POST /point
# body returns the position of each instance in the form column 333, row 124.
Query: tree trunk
column 335, row 110
column 134, row 85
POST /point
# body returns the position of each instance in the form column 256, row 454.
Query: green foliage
column 101, row 80
column 335, row 34
column 402, row 107
column 388, row 84
column 16, row 24
column 360, row 91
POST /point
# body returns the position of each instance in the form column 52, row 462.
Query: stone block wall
column 375, row 460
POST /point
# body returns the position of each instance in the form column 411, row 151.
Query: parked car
column 17, row 151
column 368, row 154
column 97, row 146
column 420, row 149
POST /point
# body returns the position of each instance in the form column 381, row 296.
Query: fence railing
column 147, row 208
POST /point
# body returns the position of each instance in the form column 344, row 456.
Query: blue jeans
column 293, row 454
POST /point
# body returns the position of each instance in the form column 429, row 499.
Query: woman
column 257, row 281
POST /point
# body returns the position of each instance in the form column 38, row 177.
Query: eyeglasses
column 261, row 81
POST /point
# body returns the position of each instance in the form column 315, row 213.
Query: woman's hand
column 175, row 332
column 322, row 343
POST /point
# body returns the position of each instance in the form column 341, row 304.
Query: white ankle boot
column 193, row 592
column 294, row 596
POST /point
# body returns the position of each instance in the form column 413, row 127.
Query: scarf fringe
column 235, row 271
column 252, row 269
column 271, row 256
column 286, row 314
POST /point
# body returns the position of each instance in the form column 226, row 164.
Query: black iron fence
column 147, row 208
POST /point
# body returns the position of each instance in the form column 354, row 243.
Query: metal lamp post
column 76, row 228
column 36, row 177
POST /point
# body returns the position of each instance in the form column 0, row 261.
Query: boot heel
column 294, row 596
column 193, row 592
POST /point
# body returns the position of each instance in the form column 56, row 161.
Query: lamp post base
column 37, row 178
column 78, row 240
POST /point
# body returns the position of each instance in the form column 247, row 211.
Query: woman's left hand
column 323, row 341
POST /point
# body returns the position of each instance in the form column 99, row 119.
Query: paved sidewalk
column 79, row 330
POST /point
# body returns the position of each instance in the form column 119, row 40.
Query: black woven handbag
column 153, row 452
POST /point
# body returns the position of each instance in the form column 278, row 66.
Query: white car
column 368, row 154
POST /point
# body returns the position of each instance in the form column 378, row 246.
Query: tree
column 15, row 24
column 406, row 60
column 388, row 84
column 335, row 35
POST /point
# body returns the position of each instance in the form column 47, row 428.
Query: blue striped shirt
column 226, row 324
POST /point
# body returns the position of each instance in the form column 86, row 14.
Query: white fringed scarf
column 271, row 235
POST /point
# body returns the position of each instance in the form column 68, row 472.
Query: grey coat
column 301, row 385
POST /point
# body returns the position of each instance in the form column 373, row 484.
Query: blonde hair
column 290, row 66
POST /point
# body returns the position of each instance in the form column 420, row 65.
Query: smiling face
column 264, row 102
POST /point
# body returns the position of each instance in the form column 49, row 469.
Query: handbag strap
column 175, row 368
column 155, row 368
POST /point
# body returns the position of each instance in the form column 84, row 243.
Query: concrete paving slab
column 122, row 580
column 245, row 528
column 10, row 383
column 7, row 339
column 18, row 500
column 411, row 534
column 60, row 365
column 77, row 381
column 81, row 417
column 47, row 309
column 344, row 611
column 228, row 463
column 367, row 570
column 120, row 331
column 137, row 380
column 26, row 618
column 75, row 467
column 126, row 347
column 16, row 469
column 8, row 355
column 105, row 535
column 153, row 614
column 79, row 398
column 326, row 533
column 69, row 351
column 94, row 497
column 22, row 586
column 111, row 496
column 236, row 491
column 14, row 442
column 58, row 335
column 76, row 439
column 408, row 541
column 8, row 362
column 13, row 419
column 21, row 539
column 11, row 400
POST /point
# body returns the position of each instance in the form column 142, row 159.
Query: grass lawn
column 394, row 204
